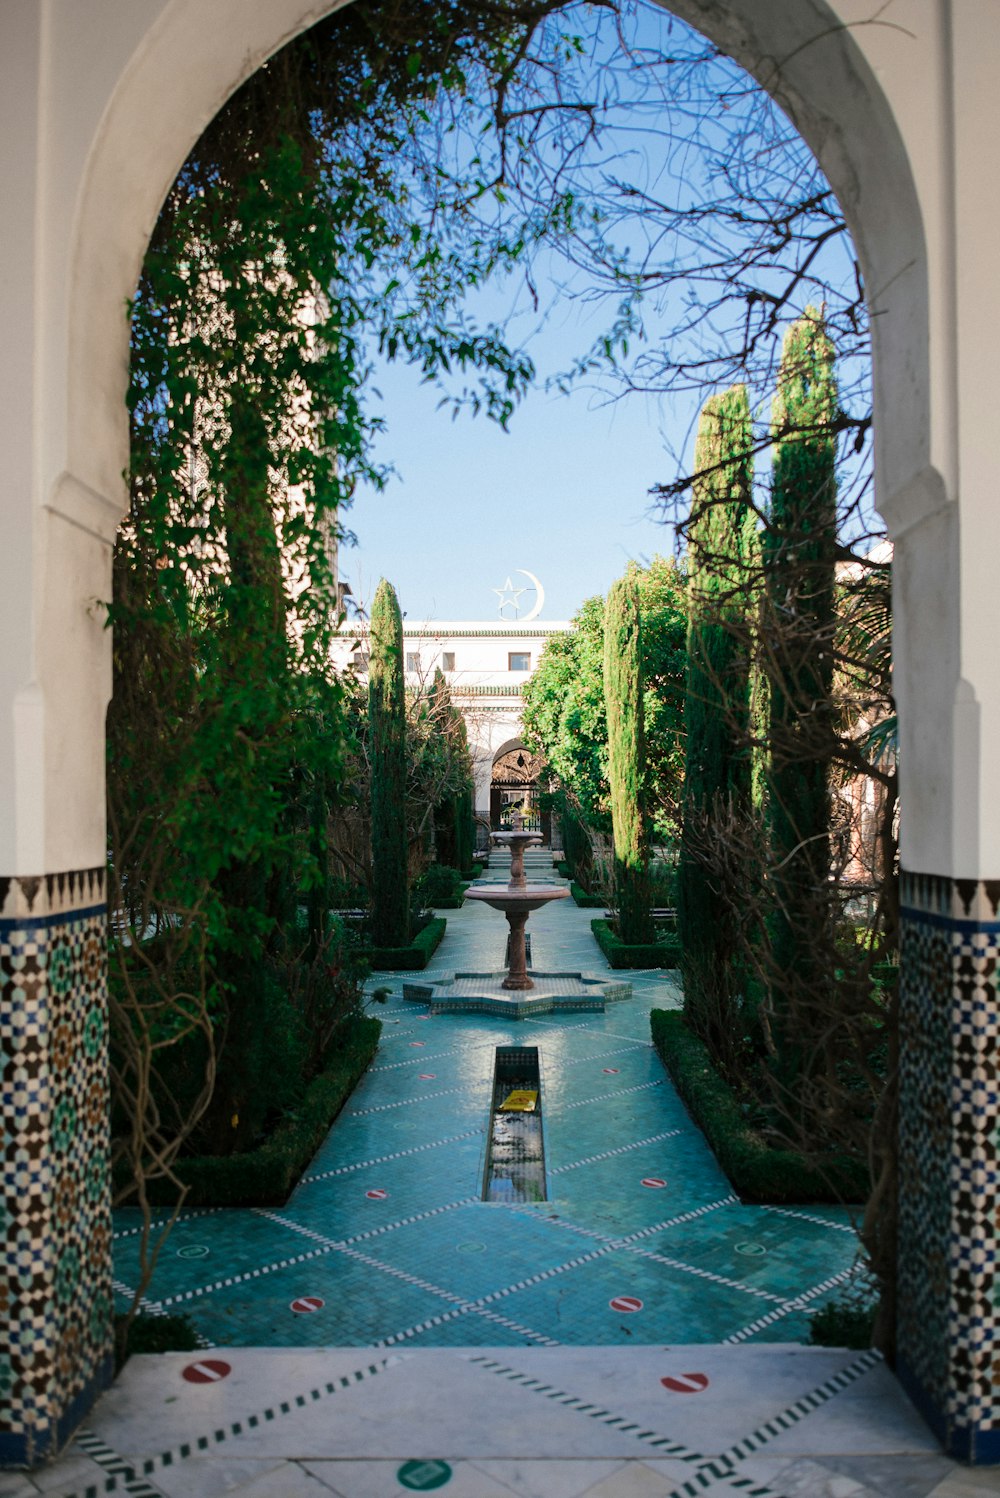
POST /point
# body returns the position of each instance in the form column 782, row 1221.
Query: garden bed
column 757, row 1172
column 585, row 901
column 264, row 1177
column 407, row 959
column 622, row 954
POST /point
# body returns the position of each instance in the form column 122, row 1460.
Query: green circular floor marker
column 193, row 1251
column 752, row 1250
column 420, row 1477
column 471, row 1248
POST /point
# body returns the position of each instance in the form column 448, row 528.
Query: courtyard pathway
column 387, row 1332
column 641, row 1239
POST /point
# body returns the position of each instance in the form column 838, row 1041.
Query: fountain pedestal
column 517, row 902
column 517, row 968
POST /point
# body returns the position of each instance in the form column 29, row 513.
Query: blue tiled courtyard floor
column 386, row 1228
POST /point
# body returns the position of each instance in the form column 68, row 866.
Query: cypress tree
column 722, row 561
column 465, row 836
column 626, row 757
column 443, row 717
column 387, row 728
column 800, row 557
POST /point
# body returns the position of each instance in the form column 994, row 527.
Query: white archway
column 98, row 107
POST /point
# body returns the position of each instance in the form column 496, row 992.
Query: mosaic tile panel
column 55, row 1283
column 949, row 1319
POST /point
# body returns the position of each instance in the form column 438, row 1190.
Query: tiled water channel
column 640, row 1241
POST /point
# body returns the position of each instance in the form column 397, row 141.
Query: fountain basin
column 531, row 897
column 484, row 993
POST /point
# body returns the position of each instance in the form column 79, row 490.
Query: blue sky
column 564, row 493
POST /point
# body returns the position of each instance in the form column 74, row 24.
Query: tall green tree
column 387, row 728
column 626, row 759
column 722, row 569
column 565, row 716
column 799, row 629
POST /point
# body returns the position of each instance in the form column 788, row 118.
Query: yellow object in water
column 520, row 1101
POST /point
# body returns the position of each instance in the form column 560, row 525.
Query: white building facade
column 486, row 665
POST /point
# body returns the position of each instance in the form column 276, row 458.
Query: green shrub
column 622, row 954
column 757, row 1172
column 585, row 901
column 846, row 1321
column 343, row 895
column 265, row 1176
column 439, row 887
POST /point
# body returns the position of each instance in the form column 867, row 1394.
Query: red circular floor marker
column 427, row 1076
column 418, row 1042
column 686, row 1383
column 377, row 1194
column 208, row 1371
column 625, row 1303
column 610, row 1071
column 307, row 1303
column 653, row 1182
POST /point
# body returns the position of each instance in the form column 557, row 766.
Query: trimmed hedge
column 587, row 902
column 406, row 959
column 564, row 870
column 645, row 954
column 757, row 1172
column 264, row 1177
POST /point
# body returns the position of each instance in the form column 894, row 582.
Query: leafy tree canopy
column 564, row 712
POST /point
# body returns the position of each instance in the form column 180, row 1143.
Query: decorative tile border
column 414, row 1149
column 798, row 1303
column 724, row 1467
column 130, row 1477
column 55, row 1222
column 623, row 1149
column 137, row 1476
column 605, row 1097
column 949, row 1171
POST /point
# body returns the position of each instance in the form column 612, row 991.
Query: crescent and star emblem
column 509, row 597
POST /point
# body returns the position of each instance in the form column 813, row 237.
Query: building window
column 361, row 660
column 447, row 660
column 519, row 660
column 413, row 660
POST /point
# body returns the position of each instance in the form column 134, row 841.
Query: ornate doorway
column 515, row 786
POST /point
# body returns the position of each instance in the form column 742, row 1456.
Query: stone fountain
column 517, row 901
column 516, row 993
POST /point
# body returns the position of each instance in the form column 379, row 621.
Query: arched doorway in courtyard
column 123, row 96
column 516, row 784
